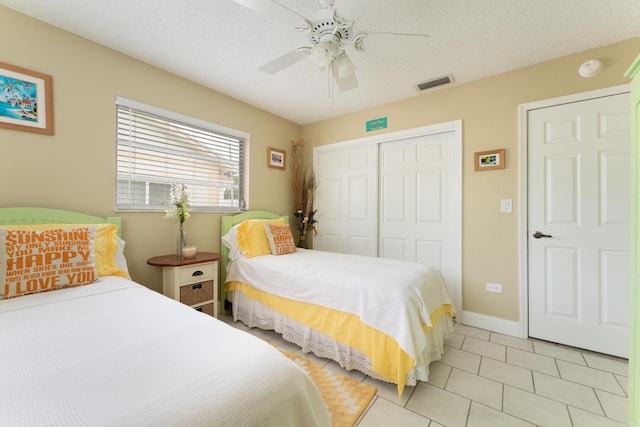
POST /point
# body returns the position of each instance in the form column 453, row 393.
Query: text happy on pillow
column 37, row 260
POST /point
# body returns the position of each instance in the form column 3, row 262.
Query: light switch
column 506, row 205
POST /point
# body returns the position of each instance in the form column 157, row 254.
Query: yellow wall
column 489, row 112
column 75, row 168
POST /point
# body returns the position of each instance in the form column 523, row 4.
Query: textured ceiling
column 220, row 44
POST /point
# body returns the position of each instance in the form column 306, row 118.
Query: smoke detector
column 590, row 68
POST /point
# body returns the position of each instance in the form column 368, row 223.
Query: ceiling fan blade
column 344, row 84
column 382, row 42
column 275, row 11
column 285, row 61
column 350, row 9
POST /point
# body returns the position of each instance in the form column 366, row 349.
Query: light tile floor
column 493, row 380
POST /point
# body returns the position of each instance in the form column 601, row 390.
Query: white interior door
column 416, row 210
column 346, row 199
column 578, row 205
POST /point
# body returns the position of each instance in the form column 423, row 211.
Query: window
column 157, row 148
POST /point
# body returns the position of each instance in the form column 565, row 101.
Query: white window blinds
column 157, row 148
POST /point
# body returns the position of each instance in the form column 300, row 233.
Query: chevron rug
column 345, row 398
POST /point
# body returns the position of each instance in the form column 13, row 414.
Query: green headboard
column 20, row 216
column 228, row 221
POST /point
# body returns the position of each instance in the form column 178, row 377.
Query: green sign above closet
column 377, row 124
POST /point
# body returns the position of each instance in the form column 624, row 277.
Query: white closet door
column 346, row 200
column 396, row 195
column 416, row 210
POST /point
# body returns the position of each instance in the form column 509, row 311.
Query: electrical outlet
column 493, row 287
column 506, row 205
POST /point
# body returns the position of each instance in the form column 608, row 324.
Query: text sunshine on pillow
column 39, row 260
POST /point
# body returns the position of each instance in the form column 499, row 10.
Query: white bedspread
column 391, row 296
column 116, row 353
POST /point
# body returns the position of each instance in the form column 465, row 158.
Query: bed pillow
column 280, row 239
column 252, row 237
column 34, row 261
column 230, row 240
column 121, row 260
column 107, row 246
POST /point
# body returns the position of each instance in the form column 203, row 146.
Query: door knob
column 538, row 235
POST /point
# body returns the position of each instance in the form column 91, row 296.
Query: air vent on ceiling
column 440, row 81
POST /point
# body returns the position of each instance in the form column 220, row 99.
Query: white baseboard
column 494, row 324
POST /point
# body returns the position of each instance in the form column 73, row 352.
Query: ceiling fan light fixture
column 326, row 4
column 322, row 54
column 345, row 67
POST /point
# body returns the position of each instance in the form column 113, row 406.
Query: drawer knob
column 196, row 286
column 197, row 273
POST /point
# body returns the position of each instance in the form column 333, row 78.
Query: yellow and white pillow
column 108, row 246
column 252, row 237
column 34, row 261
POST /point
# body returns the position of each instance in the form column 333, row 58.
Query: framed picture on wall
column 276, row 158
column 489, row 160
column 26, row 100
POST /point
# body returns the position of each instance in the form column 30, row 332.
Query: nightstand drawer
column 206, row 309
column 200, row 272
column 195, row 293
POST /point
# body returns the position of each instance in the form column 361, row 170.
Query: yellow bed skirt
column 387, row 358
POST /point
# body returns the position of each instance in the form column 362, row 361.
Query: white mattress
column 116, row 353
column 394, row 297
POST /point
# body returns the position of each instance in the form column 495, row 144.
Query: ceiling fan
column 330, row 35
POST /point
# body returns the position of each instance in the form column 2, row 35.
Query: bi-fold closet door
column 395, row 198
column 347, row 200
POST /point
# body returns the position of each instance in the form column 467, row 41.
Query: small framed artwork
column 26, row 100
column 276, row 158
column 489, row 160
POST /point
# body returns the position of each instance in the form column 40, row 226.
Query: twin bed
column 112, row 352
column 385, row 318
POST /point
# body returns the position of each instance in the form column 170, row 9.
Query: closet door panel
column 413, row 199
column 346, row 200
column 393, row 197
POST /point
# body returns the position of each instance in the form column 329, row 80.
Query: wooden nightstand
column 192, row 281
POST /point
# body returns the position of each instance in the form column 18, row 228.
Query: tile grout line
column 361, row 417
column 413, row 390
column 466, row 421
column 601, row 406
column 502, row 400
column 626, row 393
column 569, row 414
